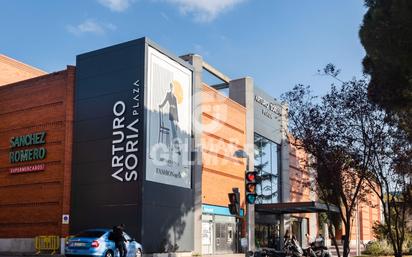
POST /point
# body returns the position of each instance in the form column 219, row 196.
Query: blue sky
column 279, row 43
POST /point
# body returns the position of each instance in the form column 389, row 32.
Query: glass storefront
column 267, row 235
column 219, row 232
column 267, row 164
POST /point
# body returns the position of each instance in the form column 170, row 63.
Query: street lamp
column 241, row 154
column 249, row 207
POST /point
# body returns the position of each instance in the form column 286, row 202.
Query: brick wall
column 12, row 71
column 299, row 176
column 32, row 203
column 223, row 132
column 300, row 187
column 369, row 211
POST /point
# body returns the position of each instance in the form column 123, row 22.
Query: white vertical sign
column 169, row 119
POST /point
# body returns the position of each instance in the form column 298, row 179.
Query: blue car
column 96, row 242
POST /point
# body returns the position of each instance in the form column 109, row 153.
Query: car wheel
column 138, row 253
column 109, row 254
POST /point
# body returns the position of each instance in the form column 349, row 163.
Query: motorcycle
column 292, row 248
column 318, row 249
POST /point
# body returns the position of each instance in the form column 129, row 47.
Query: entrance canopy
column 295, row 207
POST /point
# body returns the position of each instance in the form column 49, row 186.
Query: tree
column 391, row 171
column 386, row 35
column 320, row 127
column 356, row 148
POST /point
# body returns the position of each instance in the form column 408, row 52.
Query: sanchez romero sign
column 28, row 154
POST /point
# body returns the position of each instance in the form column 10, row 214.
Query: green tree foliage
column 386, row 35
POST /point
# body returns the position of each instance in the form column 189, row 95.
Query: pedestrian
column 120, row 240
column 320, row 241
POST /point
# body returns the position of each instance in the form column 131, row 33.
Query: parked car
column 96, row 242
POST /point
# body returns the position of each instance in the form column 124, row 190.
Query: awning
column 295, row 207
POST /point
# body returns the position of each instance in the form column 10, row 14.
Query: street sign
column 65, row 219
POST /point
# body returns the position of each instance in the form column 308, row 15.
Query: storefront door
column 207, row 237
column 297, row 228
column 218, row 234
column 224, row 238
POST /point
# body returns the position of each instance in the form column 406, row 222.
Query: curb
column 11, row 254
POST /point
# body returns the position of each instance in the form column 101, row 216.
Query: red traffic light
column 251, row 176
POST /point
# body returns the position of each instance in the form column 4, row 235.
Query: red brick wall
column 224, row 125
column 299, row 179
column 12, row 71
column 32, row 203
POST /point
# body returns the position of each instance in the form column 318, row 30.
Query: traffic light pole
column 250, row 195
column 250, row 218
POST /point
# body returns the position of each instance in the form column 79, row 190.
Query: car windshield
column 90, row 233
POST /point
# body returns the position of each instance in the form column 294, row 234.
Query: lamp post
column 249, row 212
column 358, row 252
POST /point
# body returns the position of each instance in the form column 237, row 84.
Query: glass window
column 90, row 233
column 267, row 165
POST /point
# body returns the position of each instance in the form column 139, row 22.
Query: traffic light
column 251, row 180
column 234, row 202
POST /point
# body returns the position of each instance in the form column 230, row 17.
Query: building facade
column 12, row 70
column 35, row 161
column 134, row 135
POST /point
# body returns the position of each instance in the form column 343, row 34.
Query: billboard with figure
column 169, row 105
column 131, row 148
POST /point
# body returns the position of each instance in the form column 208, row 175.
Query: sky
column 279, row 43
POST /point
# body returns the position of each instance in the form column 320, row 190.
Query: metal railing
column 47, row 244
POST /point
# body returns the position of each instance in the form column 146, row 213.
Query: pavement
column 11, row 254
column 332, row 249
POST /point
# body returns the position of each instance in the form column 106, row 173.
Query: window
column 267, row 155
column 91, row 233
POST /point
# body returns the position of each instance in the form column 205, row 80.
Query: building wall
column 369, row 212
column 300, row 186
column 12, row 71
column 299, row 176
column 32, row 204
column 224, row 125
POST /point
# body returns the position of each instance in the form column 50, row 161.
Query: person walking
column 119, row 240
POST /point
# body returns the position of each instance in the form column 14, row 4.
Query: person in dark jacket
column 120, row 240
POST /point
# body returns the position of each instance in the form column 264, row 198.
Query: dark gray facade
column 109, row 153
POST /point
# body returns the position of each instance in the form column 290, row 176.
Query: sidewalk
column 10, row 254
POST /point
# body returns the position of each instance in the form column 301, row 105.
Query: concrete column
column 197, row 62
column 284, row 225
column 284, row 155
column 284, row 170
column 326, row 234
column 242, row 91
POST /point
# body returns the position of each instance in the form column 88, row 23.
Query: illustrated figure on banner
column 172, row 98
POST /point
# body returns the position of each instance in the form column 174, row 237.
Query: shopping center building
column 132, row 134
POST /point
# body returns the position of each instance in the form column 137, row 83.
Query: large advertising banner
column 169, row 119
